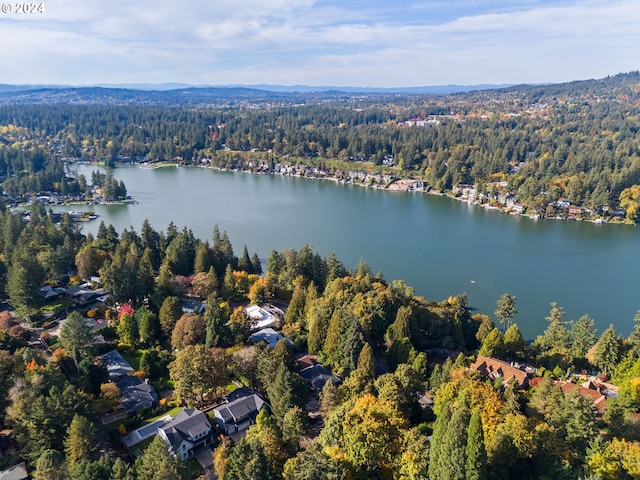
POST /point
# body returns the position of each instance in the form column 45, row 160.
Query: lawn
column 56, row 305
column 133, row 357
column 173, row 412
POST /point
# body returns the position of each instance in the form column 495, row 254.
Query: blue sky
column 343, row 43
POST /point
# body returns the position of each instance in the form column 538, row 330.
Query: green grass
column 230, row 387
column 133, row 357
column 173, row 412
column 56, row 305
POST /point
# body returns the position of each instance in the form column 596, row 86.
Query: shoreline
column 408, row 185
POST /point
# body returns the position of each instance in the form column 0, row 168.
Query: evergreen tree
column 634, row 338
column 217, row 332
column 513, row 342
column 76, row 337
column 607, row 351
column 328, row 397
column 476, row 464
column 80, row 442
column 24, row 278
column 493, row 344
column 296, row 309
column 294, row 426
column 170, row 312
column 128, row 330
column 244, row 262
column 148, row 325
column 255, row 264
column 506, row 310
column 583, row 336
column 157, row 463
column 438, row 453
column 51, row 466
column 455, row 444
column 121, row 470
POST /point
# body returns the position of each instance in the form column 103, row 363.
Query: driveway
column 204, row 456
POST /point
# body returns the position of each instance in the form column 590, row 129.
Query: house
column 17, row 472
column 314, row 373
column 239, row 411
column 494, row 368
column 83, row 295
column 187, row 431
column 260, row 317
column 269, row 336
column 587, row 390
column 136, row 394
column 192, row 306
column 50, row 293
column 116, row 365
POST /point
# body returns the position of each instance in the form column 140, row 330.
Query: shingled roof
column 493, row 368
column 186, row 425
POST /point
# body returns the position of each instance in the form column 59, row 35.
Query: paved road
column 204, row 456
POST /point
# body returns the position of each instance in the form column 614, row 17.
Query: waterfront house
column 588, row 390
column 493, row 368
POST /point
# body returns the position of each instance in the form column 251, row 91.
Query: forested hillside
column 415, row 390
column 578, row 141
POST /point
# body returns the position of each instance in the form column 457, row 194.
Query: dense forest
column 424, row 388
column 576, row 141
column 410, row 404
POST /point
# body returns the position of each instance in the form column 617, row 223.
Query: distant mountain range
column 162, row 87
column 234, row 95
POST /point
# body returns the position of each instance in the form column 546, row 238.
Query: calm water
column 439, row 246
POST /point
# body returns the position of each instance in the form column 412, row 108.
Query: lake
column 439, row 246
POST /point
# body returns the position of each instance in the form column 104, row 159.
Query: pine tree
column 476, row 464
column 506, row 310
column 80, row 442
column 328, row 398
column 583, row 336
column 493, row 344
column 76, row 337
column 296, row 308
column 607, row 350
column 121, row 470
column 455, row 444
column 157, row 463
column 513, row 342
column 244, row 262
column 50, row 466
column 438, row 452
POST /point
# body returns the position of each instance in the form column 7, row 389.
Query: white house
column 188, row 430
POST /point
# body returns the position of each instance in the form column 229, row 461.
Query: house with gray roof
column 136, row 394
column 116, row 365
column 188, row 430
column 239, row 411
column 17, row 472
column 269, row 336
column 314, row 373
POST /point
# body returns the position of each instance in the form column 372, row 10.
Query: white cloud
column 303, row 41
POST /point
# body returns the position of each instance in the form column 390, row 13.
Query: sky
column 365, row 43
